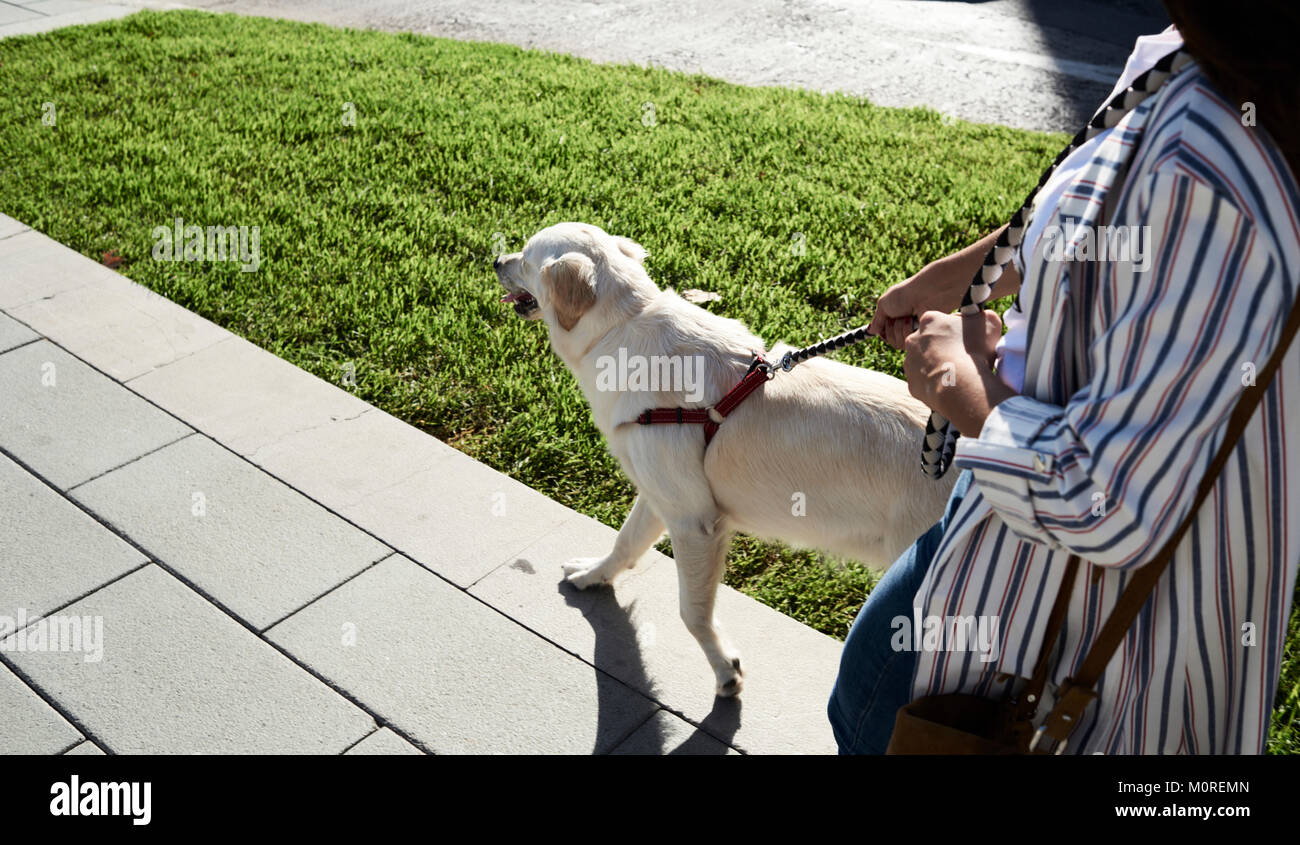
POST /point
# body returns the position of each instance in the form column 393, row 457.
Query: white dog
column 824, row 456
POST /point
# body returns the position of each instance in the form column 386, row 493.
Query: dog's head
column 576, row 277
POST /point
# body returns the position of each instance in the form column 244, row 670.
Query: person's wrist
column 968, row 409
column 995, row 392
column 946, row 285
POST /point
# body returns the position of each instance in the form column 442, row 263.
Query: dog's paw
column 731, row 680
column 583, row 572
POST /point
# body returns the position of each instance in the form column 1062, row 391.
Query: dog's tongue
column 511, row 297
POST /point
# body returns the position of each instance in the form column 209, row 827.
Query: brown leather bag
column 969, row 724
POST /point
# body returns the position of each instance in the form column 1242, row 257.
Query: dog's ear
column 572, row 280
column 631, row 249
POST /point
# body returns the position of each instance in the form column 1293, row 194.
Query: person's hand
column 951, row 369
column 938, row 286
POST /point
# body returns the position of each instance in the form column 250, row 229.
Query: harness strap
column 711, row 418
column 658, row 416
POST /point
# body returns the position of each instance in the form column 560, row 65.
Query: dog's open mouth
column 523, row 302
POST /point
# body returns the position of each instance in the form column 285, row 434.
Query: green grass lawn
column 797, row 208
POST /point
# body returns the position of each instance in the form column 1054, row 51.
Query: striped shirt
column 1131, row 375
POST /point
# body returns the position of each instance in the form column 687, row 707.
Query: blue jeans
column 874, row 680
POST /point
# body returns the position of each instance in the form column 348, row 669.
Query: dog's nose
column 496, row 263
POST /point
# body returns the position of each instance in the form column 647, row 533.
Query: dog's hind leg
column 701, row 556
column 639, row 532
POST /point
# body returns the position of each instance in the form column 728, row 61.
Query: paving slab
column 633, row 631
column 70, row 423
column 459, row 517
column 449, row 512
column 27, row 724
column 453, row 674
column 85, row 749
column 120, row 327
column 178, row 676
column 10, row 227
column 384, row 742
column 445, row 510
column 14, row 14
column 56, row 7
column 369, row 453
column 56, row 14
column 666, row 734
column 14, row 333
column 245, row 397
column 242, row 537
column 51, row 551
column 33, row 266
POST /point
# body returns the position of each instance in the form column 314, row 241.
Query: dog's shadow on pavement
column 618, row 653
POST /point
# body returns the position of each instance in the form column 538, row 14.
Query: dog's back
column 828, row 456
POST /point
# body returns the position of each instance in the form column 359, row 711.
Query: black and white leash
column 940, row 437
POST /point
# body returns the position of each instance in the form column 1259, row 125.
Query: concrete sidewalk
column 279, row 567
column 28, row 17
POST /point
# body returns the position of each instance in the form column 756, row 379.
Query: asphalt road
column 1035, row 64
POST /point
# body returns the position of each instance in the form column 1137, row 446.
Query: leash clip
column 763, row 364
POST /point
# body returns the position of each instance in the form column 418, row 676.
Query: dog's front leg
column 639, row 532
column 701, row 556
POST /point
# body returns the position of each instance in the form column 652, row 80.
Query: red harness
column 759, row 371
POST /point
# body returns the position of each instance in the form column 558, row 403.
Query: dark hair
column 1248, row 51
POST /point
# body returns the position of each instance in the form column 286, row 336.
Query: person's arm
column 938, row 286
column 1111, row 475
